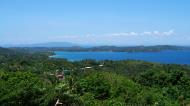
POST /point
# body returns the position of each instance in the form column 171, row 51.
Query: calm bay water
column 176, row 57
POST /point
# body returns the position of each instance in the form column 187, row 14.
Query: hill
column 31, row 79
column 156, row 48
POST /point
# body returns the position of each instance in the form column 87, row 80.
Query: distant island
column 155, row 48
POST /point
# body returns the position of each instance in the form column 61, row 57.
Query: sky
column 95, row 22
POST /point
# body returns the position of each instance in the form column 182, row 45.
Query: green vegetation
column 29, row 79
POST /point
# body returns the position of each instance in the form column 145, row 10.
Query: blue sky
column 95, row 22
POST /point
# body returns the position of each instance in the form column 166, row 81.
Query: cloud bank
column 150, row 33
column 124, row 38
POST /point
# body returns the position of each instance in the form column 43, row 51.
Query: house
column 101, row 65
column 88, row 67
column 60, row 75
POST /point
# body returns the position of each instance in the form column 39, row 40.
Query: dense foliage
column 27, row 79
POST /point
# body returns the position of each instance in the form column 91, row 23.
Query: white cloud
column 158, row 33
column 153, row 33
column 169, row 33
column 147, row 33
column 124, row 37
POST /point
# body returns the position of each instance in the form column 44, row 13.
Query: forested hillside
column 30, row 79
column 105, row 48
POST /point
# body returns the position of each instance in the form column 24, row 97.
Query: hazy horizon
column 71, row 44
column 98, row 22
